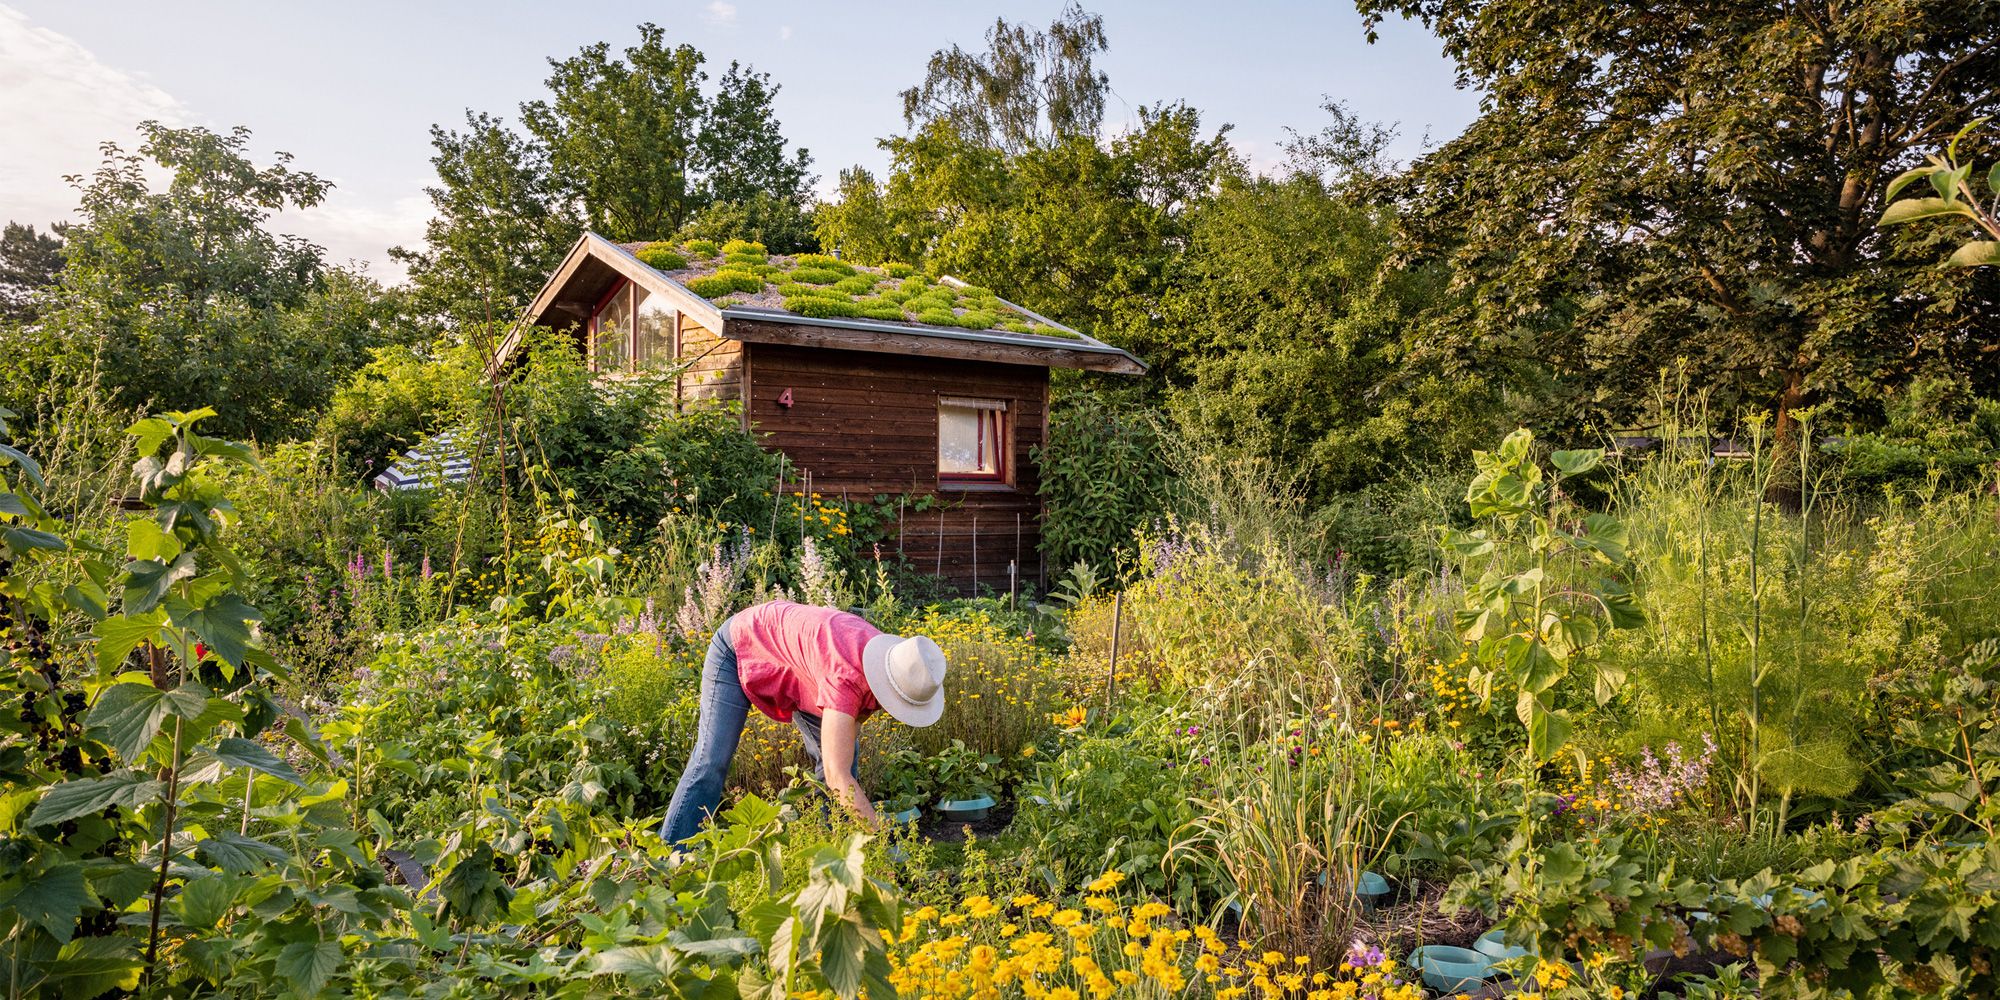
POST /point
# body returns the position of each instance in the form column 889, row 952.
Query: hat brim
column 875, row 667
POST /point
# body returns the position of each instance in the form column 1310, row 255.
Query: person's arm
column 840, row 742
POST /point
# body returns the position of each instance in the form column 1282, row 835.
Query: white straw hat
column 907, row 677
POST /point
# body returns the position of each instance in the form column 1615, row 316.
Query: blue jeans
column 718, row 729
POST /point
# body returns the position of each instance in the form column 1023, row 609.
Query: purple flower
column 424, row 571
column 1363, row 956
column 388, row 562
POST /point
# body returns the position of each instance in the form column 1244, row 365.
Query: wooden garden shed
column 871, row 380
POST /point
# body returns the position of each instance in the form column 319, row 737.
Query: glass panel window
column 972, row 439
column 653, row 343
column 611, row 332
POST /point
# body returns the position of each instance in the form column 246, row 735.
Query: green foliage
column 500, row 222
column 702, row 249
column 173, row 298
column 1585, row 136
column 396, row 400
column 29, row 263
column 775, row 221
column 661, row 257
column 1029, row 89
column 1102, row 479
column 817, row 275
column 1292, row 340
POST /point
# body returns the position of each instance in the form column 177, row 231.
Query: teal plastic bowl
column 1493, row 944
column 966, row 810
column 1452, row 970
column 1371, row 884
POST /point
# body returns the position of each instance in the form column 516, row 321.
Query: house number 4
column 785, row 399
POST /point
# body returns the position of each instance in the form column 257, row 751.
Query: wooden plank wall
column 865, row 423
column 715, row 369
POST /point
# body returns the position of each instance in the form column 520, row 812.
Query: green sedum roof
column 740, row 273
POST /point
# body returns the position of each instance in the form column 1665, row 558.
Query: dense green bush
column 400, row 397
column 1102, row 479
column 661, row 257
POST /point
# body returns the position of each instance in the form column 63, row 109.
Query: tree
column 1286, row 336
column 1028, row 89
column 740, row 151
column 178, row 298
column 1698, row 180
column 627, row 147
column 621, row 134
column 500, row 224
column 856, row 222
column 29, row 262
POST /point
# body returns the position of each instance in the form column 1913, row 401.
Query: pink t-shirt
column 799, row 658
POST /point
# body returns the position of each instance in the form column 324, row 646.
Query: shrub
column 821, row 306
column 860, row 284
column 661, row 257
column 897, row 269
column 702, row 248
column 396, row 400
column 936, row 316
column 817, row 275
column 1103, row 477
column 977, row 319
column 724, row 282
column 820, row 260
column 744, row 247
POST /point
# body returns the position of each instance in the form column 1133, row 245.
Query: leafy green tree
column 630, row 148
column 499, row 224
column 174, row 298
column 1695, row 180
column 29, row 262
column 856, row 222
column 740, row 152
column 1286, row 335
column 1028, row 89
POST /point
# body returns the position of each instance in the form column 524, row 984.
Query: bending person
column 821, row 670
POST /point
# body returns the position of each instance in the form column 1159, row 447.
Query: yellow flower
column 1109, row 880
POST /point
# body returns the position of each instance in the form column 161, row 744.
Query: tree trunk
column 1784, row 488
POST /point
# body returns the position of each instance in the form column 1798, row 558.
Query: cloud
column 719, row 13
column 60, row 102
column 784, row 32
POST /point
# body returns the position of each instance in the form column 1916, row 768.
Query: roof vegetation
column 816, row 285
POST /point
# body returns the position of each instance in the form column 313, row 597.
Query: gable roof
column 817, row 301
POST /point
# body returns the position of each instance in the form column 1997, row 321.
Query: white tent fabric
column 438, row 462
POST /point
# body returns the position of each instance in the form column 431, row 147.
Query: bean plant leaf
column 71, row 799
column 52, row 900
column 236, row 751
column 309, row 965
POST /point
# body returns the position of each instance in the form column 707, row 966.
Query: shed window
column 611, row 331
column 653, row 338
column 972, row 440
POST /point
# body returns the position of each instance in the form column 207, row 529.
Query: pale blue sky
column 351, row 89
